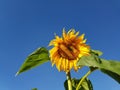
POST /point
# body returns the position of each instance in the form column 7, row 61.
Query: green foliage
column 34, row 89
column 37, row 58
column 86, row 84
column 109, row 67
column 97, row 52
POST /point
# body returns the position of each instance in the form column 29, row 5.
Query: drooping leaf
column 37, row 58
column 112, row 74
column 109, row 67
column 86, row 84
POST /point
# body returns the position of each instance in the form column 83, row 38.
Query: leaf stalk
column 83, row 78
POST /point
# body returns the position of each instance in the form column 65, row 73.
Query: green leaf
column 112, row 74
column 109, row 67
column 86, row 84
column 38, row 57
column 34, row 89
column 97, row 52
column 92, row 60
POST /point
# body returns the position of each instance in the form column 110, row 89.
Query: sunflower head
column 67, row 50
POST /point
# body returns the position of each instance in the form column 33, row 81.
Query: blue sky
column 26, row 25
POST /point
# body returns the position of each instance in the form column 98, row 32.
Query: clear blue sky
column 26, row 25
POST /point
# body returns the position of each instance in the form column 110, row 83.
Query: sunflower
column 67, row 50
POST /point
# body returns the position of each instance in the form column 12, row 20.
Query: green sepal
column 86, row 84
column 109, row 67
column 37, row 58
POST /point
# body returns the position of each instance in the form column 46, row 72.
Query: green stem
column 83, row 78
column 69, row 80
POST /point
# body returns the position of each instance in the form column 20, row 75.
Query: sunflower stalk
column 69, row 80
column 85, row 76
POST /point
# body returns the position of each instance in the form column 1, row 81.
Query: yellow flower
column 67, row 50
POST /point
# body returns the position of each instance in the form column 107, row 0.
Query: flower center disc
column 68, row 51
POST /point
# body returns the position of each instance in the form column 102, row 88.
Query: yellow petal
column 76, row 33
column 63, row 65
column 81, row 37
column 74, row 66
column 64, row 33
column 66, row 68
column 70, row 65
column 53, row 50
column 84, row 41
column 58, row 63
